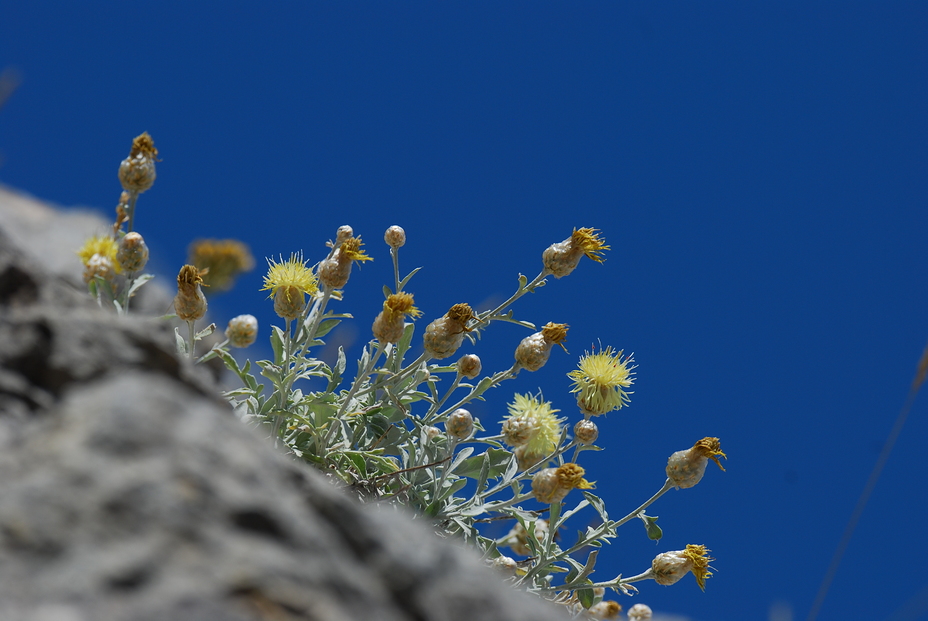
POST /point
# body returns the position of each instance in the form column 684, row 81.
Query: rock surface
column 129, row 491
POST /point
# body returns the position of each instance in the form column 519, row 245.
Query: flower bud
column 242, row 330
column 99, row 266
column 586, row 432
column 533, row 352
column 431, row 433
column 639, row 612
column 553, row 484
column 469, row 366
column 189, row 303
column 562, row 258
column 132, row 254
column 460, row 424
column 605, row 610
column 343, row 234
column 669, row 567
column 444, row 335
column 527, row 458
column 506, row 564
column 395, row 237
column 686, row 468
column 137, row 172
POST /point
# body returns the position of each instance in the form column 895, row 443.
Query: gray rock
column 129, row 491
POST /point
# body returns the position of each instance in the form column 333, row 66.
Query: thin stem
column 485, row 317
column 394, row 252
column 496, row 378
column 667, row 487
column 130, row 210
column 612, row 584
column 193, row 338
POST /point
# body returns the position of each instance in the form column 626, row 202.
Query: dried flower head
column 639, row 612
column 132, row 254
column 137, row 172
column 224, row 259
column 562, row 258
column 103, row 245
column 533, row 351
column 288, row 281
column 460, row 424
column 686, row 468
column 242, row 330
column 395, row 237
column 601, row 381
column 532, row 424
column 189, row 303
column 605, row 610
column 553, row 484
column 389, row 323
column 669, row 567
column 444, row 336
column 335, row 270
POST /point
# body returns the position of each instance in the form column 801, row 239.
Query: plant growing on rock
column 390, row 432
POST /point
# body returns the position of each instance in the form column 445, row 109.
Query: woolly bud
column 242, row 330
column 137, row 172
column 395, row 237
column 553, row 484
column 506, row 564
column 469, row 366
column 686, row 468
column 343, row 233
column 586, row 432
column 431, row 433
column 444, row 335
column 189, row 303
column 562, row 258
column 517, row 539
column 605, row 610
column 460, row 424
column 669, row 567
column 99, row 266
column 132, row 254
column 639, row 612
column 526, row 458
column 533, row 352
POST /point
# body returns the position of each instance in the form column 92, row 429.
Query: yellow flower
column 224, row 258
column 601, row 381
column 288, row 281
column 532, row 424
column 103, row 245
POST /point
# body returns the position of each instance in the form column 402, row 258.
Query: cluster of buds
column 686, row 468
column 534, row 350
column 445, row 335
column 553, row 484
column 189, row 303
column 334, row 271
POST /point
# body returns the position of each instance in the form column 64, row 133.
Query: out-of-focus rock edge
column 129, row 491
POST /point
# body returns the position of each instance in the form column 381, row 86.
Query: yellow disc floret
column 602, row 380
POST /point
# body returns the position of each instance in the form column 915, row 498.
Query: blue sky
column 759, row 170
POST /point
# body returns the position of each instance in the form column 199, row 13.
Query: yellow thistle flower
column 601, row 381
column 389, row 324
column 103, row 245
column 669, row 567
column 224, row 258
column 351, row 249
column 288, row 281
column 532, row 424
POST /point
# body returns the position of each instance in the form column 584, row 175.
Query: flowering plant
column 391, row 433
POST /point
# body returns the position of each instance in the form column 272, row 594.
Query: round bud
column 137, row 172
column 469, row 366
column 460, row 424
column 605, row 610
column 547, row 486
column 132, row 254
column 242, row 330
column 639, row 612
column 395, row 237
column 343, row 233
column 288, row 302
column 586, row 432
